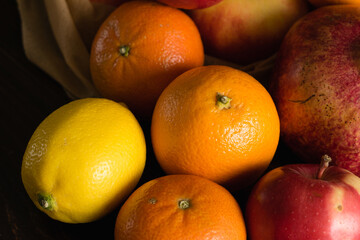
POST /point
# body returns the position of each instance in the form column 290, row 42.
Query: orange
column 139, row 49
column 217, row 122
column 183, row 207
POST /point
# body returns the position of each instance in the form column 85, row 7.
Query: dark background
column 27, row 96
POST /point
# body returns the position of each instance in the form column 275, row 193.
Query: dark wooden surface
column 28, row 95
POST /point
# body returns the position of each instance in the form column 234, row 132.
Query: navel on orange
column 217, row 122
column 180, row 207
column 139, row 49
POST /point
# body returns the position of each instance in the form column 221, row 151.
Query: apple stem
column 325, row 160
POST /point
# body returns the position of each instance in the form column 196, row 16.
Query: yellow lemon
column 83, row 160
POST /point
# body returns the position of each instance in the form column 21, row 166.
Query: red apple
column 190, row 4
column 316, row 86
column 244, row 31
column 304, row 201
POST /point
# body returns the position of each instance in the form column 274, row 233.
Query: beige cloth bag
column 57, row 36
